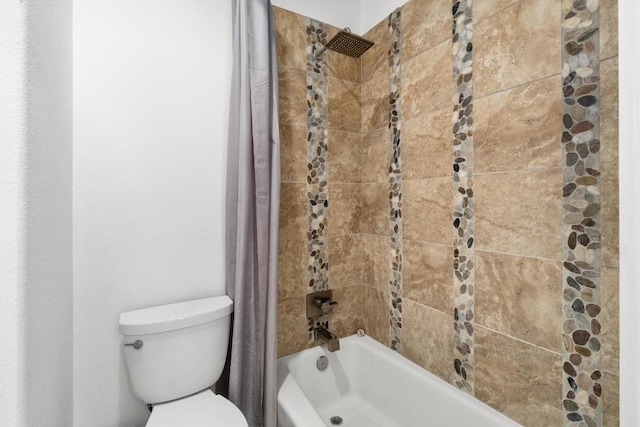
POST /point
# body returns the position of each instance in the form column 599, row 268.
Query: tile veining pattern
column 582, row 389
column 317, row 146
column 395, row 181
column 463, row 206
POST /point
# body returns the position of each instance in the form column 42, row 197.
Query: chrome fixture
column 323, row 334
column 322, row 363
column 320, row 303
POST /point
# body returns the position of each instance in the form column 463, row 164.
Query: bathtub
column 369, row 385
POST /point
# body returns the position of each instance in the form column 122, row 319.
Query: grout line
column 559, row 168
column 490, row 251
column 495, row 13
column 518, row 339
column 518, row 86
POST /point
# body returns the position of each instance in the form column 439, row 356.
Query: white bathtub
column 369, row 385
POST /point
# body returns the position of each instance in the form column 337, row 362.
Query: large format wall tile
column 292, row 267
column 341, row 66
column 427, row 208
column 427, row 82
column 344, row 157
column 292, row 325
column 518, row 128
column 519, row 297
column 609, row 126
column 375, row 208
column 375, row 103
column 608, row 28
column 485, row 8
column 516, row 46
column 610, row 289
column 292, row 95
column 519, row 213
column 376, row 261
column 345, row 209
column 427, row 274
column 291, row 39
column 375, row 158
column 374, row 60
column 518, row 379
column 293, row 153
column 375, row 313
column 293, row 211
column 610, row 400
column 425, row 23
column 346, row 317
column 344, row 105
column 345, row 253
column 427, row 145
column 429, row 347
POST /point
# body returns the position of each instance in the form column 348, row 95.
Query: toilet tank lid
column 174, row 316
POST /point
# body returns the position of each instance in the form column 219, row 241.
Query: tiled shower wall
column 507, row 346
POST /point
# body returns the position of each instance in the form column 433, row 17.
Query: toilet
column 174, row 353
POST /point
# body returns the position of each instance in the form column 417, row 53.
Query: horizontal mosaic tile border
column 395, row 182
column 463, row 203
column 582, row 385
column 317, row 139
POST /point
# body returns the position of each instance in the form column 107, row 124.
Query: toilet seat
column 204, row 409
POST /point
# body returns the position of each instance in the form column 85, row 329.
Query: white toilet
column 174, row 353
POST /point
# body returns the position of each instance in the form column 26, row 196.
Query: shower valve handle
column 324, row 304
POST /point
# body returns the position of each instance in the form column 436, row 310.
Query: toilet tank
column 184, row 347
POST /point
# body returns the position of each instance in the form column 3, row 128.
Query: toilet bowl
column 174, row 353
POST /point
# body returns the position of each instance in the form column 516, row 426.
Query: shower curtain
column 253, row 198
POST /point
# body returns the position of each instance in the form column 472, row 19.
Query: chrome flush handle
column 136, row 345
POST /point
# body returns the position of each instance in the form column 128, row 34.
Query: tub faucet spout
column 332, row 341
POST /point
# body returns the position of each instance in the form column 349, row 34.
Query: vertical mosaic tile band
column 395, row 183
column 463, row 205
column 582, row 386
column 317, row 121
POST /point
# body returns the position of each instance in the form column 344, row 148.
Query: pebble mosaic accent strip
column 317, row 139
column 463, row 203
column 395, row 182
column 582, row 385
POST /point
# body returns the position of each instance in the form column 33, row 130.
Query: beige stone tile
column 427, row 338
column 292, row 267
column 427, row 145
column 375, row 60
column 344, row 157
column 518, row 379
column 518, row 128
column 344, row 105
column 375, row 103
column 610, row 202
column 342, row 66
column 610, row 291
column 293, row 211
column 427, row 82
column 484, row 9
column 608, row 28
column 375, row 208
column 293, row 335
column 345, row 209
column 425, row 23
column 345, row 261
column 291, row 39
column 293, row 153
column 427, row 210
column 610, row 400
column 427, row 274
column 292, row 94
column 375, row 157
column 519, row 213
column 609, row 102
column 377, row 261
column 346, row 317
column 520, row 297
column 375, row 313
column 517, row 45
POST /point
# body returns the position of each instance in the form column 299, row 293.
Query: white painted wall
column 359, row 15
column 152, row 81
column 35, row 219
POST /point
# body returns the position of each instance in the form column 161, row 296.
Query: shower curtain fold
column 252, row 207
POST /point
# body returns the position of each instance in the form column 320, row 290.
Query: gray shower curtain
column 253, row 199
